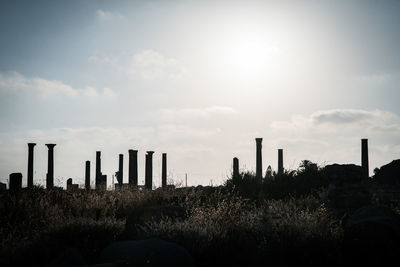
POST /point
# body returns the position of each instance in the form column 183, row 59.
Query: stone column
column 259, row 158
column 15, row 182
column 69, row 184
column 120, row 170
column 103, row 182
column 98, row 177
column 87, row 175
column 149, row 170
column 50, row 167
column 364, row 158
column 30, row 164
column 280, row 161
column 164, row 170
column 133, row 168
column 235, row 175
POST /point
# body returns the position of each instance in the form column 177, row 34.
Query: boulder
column 348, row 200
column 389, row 173
column 372, row 234
column 344, row 173
column 69, row 257
column 149, row 252
column 151, row 214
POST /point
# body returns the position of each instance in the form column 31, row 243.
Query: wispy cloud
column 151, row 65
column 17, row 83
column 340, row 116
column 107, row 15
column 356, row 118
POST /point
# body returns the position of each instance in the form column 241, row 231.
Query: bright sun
column 249, row 56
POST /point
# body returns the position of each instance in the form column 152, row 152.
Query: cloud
column 340, row 119
column 107, row 15
column 151, row 65
column 147, row 65
column 340, row 116
column 17, row 83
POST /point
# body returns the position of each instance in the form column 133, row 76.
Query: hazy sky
column 198, row 80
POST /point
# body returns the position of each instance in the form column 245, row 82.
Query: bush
column 308, row 178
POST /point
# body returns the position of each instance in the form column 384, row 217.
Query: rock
column 156, row 214
column 378, row 216
column 350, row 200
column 112, row 264
column 372, row 234
column 149, row 252
column 344, row 173
column 69, row 257
column 389, row 173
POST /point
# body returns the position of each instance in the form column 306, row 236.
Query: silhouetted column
column 69, row 183
column 149, row 170
column 15, row 182
column 87, row 175
column 280, row 161
column 133, row 167
column 30, row 164
column 50, row 167
column 164, row 170
column 103, row 182
column 259, row 158
column 98, row 177
column 120, row 169
column 364, row 157
column 235, row 175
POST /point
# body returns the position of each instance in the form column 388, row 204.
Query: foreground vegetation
column 277, row 221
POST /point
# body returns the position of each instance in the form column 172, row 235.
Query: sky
column 198, row 80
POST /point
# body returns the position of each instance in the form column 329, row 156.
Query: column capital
column 50, row 146
column 31, row 144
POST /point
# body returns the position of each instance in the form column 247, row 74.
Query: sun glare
column 250, row 56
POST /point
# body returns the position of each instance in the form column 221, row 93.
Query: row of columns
column 364, row 160
column 50, row 165
column 100, row 179
column 132, row 170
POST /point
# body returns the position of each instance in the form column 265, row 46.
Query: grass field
column 224, row 225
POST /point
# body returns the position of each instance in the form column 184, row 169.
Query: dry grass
column 220, row 227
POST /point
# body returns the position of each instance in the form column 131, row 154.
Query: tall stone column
column 364, row 158
column 149, row 170
column 133, row 167
column 235, row 175
column 30, row 164
column 164, row 170
column 87, row 175
column 120, row 170
column 259, row 158
column 280, row 161
column 50, row 167
column 98, row 177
